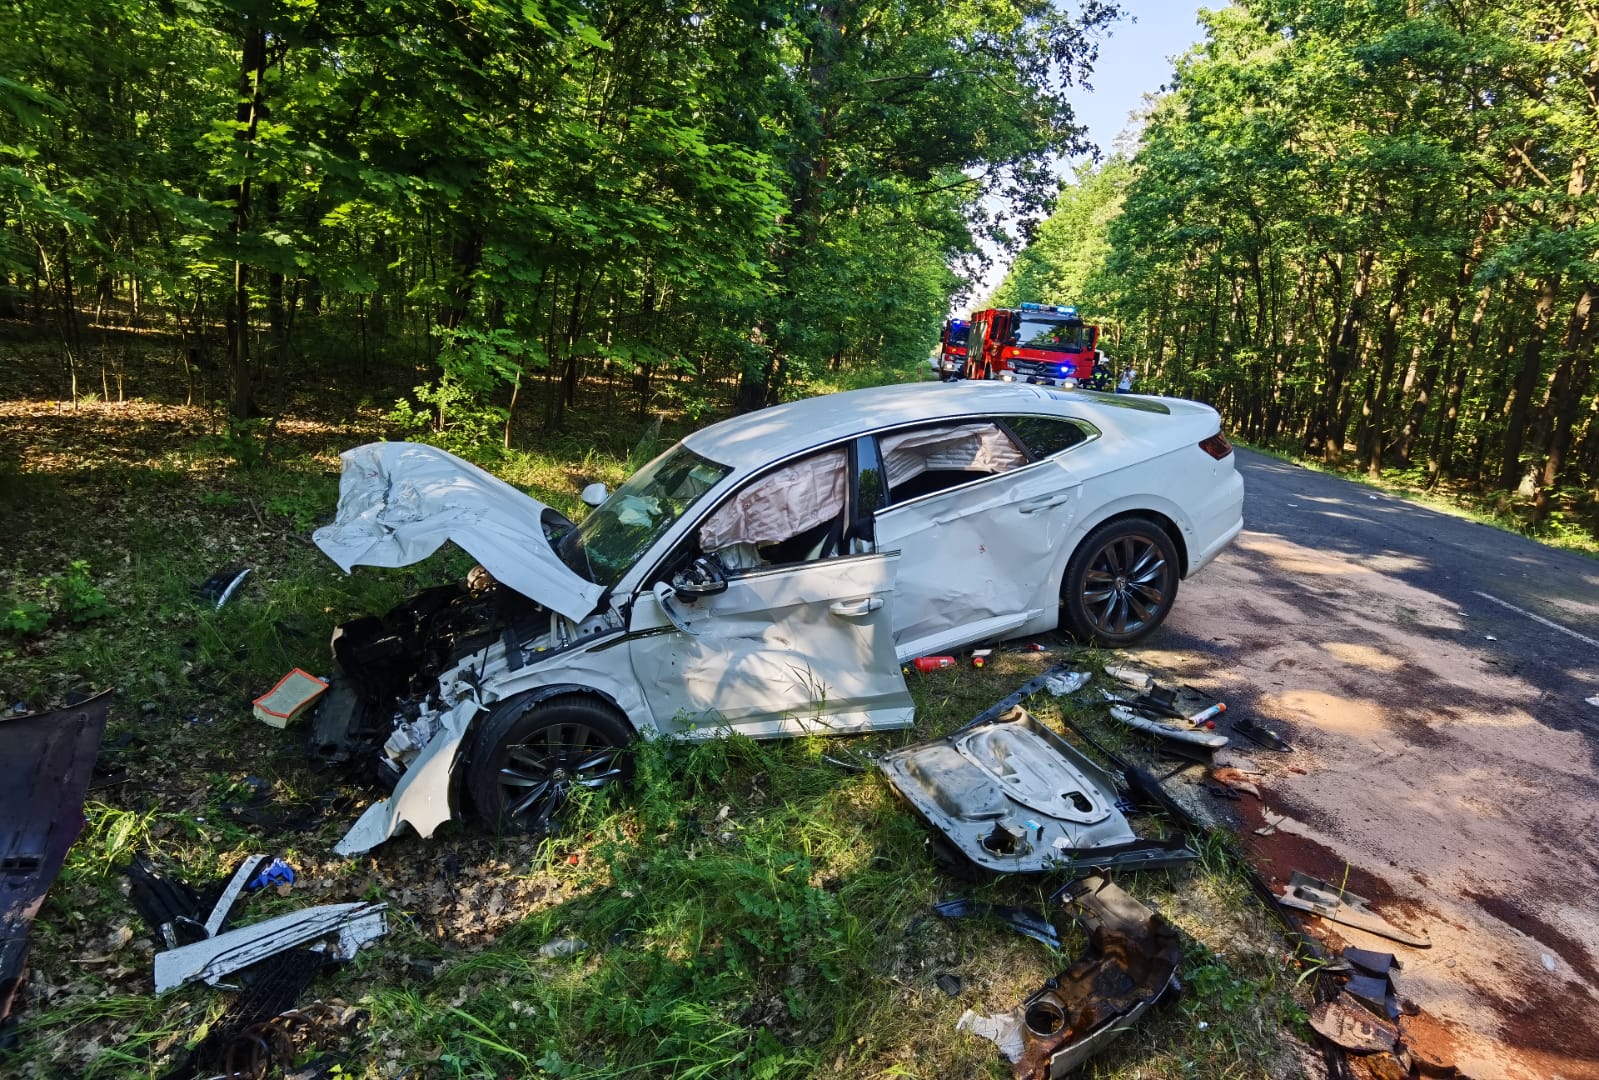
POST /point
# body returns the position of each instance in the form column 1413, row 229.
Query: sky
column 1135, row 58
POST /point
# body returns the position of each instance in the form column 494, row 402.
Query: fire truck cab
column 1035, row 343
column 951, row 360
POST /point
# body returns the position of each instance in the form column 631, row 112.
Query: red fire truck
column 951, row 359
column 1033, row 343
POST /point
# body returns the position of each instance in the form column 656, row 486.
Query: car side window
column 792, row 514
column 1044, row 436
column 930, row 459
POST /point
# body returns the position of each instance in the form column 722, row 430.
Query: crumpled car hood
column 399, row 502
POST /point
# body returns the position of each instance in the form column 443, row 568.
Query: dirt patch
column 1516, row 913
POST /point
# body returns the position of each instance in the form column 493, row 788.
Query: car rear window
column 1046, row 435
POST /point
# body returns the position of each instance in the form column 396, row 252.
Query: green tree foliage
column 522, row 196
column 1367, row 228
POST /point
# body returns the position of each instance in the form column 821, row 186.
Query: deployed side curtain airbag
column 781, row 504
column 973, row 447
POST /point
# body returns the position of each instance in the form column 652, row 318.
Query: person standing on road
column 1124, row 385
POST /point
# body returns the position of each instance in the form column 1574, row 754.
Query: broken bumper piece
column 350, row 926
column 1011, row 796
column 1131, row 961
column 422, row 796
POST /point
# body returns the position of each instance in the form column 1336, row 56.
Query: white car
column 767, row 575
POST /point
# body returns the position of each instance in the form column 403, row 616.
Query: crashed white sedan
column 767, row 575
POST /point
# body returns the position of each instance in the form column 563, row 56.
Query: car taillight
column 1217, row 446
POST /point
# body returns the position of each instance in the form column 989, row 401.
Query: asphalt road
column 1540, row 605
column 1432, row 674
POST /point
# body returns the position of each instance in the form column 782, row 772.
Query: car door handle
column 852, row 608
column 1033, row 506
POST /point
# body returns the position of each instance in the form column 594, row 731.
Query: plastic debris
column 1138, row 680
column 1067, row 682
column 275, row 873
column 1343, row 1022
column 1306, row 893
column 219, row 588
column 559, row 947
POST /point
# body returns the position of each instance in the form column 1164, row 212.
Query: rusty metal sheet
column 1343, row 1022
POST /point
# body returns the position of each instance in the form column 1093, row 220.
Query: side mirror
column 594, row 494
column 705, row 576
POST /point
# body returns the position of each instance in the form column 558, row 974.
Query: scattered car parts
column 350, row 926
column 1024, row 921
column 197, row 949
column 1260, row 735
column 1339, row 905
column 219, row 588
column 1011, row 796
column 49, row 758
column 1343, row 1022
column 1131, row 962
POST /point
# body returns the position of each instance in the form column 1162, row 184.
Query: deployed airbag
column 780, row 505
column 972, row 447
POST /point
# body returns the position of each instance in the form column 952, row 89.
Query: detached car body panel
column 766, row 575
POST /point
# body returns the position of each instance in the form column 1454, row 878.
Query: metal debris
column 350, row 925
column 1131, row 961
column 1012, row 796
column 1024, row 921
column 1305, row 893
column 1345, row 1023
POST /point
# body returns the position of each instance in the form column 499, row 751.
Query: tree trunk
column 1375, row 408
column 252, row 78
column 1327, row 431
column 1519, row 407
column 1565, row 396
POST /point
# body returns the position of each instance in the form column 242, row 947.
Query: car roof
column 756, row 438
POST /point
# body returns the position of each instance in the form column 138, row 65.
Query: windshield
column 958, row 332
column 1035, row 333
column 619, row 530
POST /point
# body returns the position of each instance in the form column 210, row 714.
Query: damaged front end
column 410, row 683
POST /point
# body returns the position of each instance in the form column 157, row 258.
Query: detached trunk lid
column 399, row 502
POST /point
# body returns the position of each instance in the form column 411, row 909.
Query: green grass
column 750, row 909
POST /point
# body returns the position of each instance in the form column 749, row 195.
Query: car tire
column 528, row 755
column 1120, row 583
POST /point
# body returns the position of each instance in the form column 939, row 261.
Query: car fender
column 1125, row 505
column 601, row 670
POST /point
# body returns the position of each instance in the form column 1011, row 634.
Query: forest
column 1366, row 232
column 500, row 202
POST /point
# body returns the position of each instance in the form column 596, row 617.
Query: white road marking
column 1550, row 623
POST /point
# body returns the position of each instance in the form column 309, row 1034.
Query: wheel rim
column 538, row 774
column 1126, row 587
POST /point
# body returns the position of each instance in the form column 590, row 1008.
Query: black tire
column 528, row 755
column 1120, row 584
